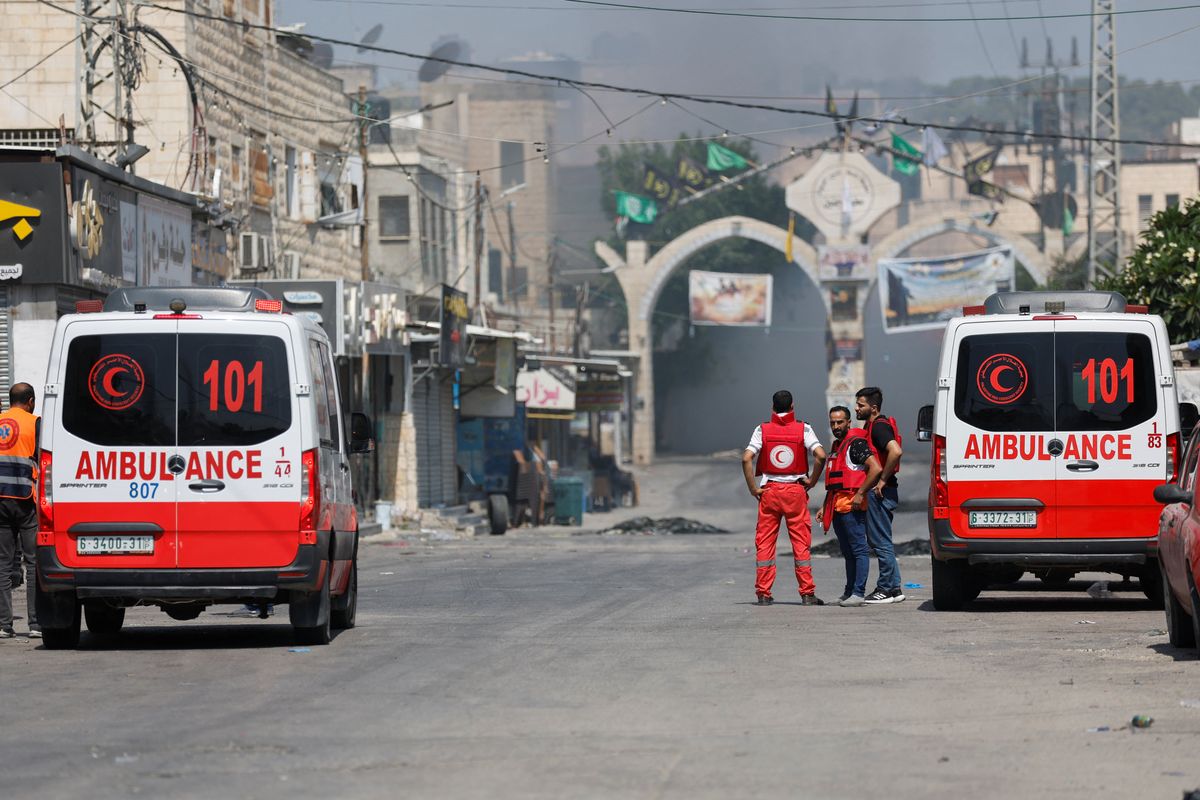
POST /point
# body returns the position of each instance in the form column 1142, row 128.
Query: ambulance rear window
column 1106, row 381
column 234, row 390
column 1005, row 382
column 120, row 389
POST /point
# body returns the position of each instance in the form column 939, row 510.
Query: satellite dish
column 370, row 37
column 321, row 55
column 432, row 69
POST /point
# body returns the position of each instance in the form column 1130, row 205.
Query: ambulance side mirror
column 361, row 440
column 925, row 424
column 1189, row 415
column 1169, row 493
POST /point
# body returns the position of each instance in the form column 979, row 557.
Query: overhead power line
column 647, row 92
column 819, row 18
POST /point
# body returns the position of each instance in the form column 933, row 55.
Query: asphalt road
column 553, row 665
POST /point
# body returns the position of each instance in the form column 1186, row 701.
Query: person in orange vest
column 788, row 456
column 19, row 432
column 883, row 435
column 850, row 470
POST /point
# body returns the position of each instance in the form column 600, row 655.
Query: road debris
column 299, row 649
column 1191, row 702
column 664, row 526
column 1086, row 622
column 1141, row 721
column 912, row 586
column 1100, row 729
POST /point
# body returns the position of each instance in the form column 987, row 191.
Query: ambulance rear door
column 240, row 444
column 1000, row 416
column 1111, row 421
column 112, row 428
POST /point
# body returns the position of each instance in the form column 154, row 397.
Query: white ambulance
column 1055, row 418
column 194, row 452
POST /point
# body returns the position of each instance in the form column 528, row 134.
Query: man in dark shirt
column 884, row 438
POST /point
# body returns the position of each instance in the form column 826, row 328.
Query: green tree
column 1162, row 272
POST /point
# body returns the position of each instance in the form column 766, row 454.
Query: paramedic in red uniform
column 850, row 470
column 18, row 502
column 883, row 436
column 788, row 455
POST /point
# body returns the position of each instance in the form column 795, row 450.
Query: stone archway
column 642, row 279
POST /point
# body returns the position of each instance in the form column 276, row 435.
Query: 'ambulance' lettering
column 1023, row 447
column 127, row 465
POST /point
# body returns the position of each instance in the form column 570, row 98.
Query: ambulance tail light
column 1172, row 456
column 939, row 490
column 45, row 495
column 310, row 497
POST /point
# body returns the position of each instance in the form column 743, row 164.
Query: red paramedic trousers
column 789, row 501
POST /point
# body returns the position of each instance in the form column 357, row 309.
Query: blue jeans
column 879, row 535
column 851, row 530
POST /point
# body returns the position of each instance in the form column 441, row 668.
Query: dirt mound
column 664, row 526
column 913, row 547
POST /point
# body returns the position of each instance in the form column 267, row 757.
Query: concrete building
column 267, row 138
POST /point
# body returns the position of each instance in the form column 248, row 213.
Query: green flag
column 636, row 207
column 722, row 158
column 900, row 161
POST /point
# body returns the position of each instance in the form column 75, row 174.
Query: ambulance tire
column 1195, row 613
column 1179, row 622
column 304, row 607
column 103, row 619
column 59, row 614
column 950, row 585
column 1151, row 582
column 497, row 512
column 345, row 608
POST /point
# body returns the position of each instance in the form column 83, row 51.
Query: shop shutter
column 433, row 415
column 6, row 340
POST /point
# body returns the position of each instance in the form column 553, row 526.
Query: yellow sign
column 23, row 214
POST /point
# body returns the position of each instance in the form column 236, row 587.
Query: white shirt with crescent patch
column 811, row 443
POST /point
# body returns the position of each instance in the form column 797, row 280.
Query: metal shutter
column 434, row 418
column 6, row 341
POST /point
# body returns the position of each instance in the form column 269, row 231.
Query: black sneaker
column 811, row 600
column 881, row 597
column 765, row 600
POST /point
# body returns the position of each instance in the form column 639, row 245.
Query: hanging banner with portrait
column 922, row 293
column 724, row 298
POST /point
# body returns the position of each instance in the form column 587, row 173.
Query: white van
column 194, row 452
column 1055, row 418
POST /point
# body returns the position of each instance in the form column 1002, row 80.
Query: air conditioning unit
column 265, row 256
column 249, row 252
column 291, row 265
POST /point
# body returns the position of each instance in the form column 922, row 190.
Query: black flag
column 977, row 168
column 659, row 185
column 693, row 175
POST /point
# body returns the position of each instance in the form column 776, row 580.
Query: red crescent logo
column 987, row 379
column 996, row 374
column 116, row 382
column 112, row 373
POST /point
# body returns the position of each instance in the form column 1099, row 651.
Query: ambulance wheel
column 950, row 590
column 1179, row 622
column 345, row 608
column 102, row 619
column 310, row 616
column 1151, row 582
column 497, row 512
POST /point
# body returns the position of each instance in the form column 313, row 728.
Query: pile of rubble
column 664, row 526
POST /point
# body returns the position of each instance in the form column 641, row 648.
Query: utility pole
column 1104, row 155
column 106, row 78
column 478, row 249
column 512, row 256
column 550, row 279
column 363, row 140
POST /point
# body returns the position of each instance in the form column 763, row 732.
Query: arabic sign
column 33, row 225
column 723, row 298
column 384, row 316
column 164, row 243
column 95, row 224
column 600, row 391
column 452, row 349
column 551, row 388
column 922, row 293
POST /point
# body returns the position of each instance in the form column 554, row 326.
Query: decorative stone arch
column 642, row 280
column 899, row 240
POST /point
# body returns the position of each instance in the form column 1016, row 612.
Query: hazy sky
column 756, row 56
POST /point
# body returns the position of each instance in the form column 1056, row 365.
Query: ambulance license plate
column 114, row 545
column 1002, row 519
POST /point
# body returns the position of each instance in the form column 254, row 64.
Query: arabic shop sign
column 551, row 388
